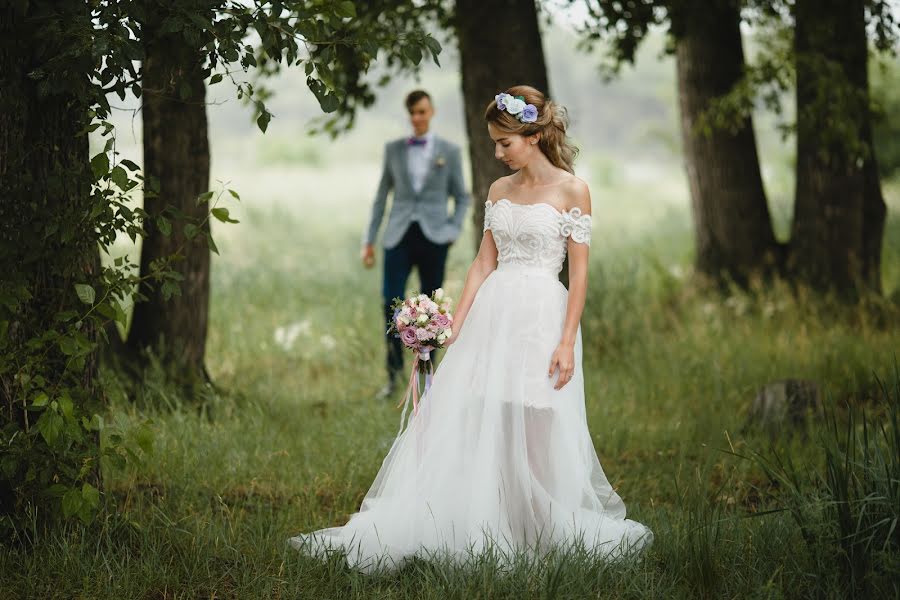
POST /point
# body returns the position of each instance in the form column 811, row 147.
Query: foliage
column 622, row 26
column 380, row 25
column 848, row 512
column 53, row 464
column 886, row 125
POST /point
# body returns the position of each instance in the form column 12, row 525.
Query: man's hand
column 367, row 254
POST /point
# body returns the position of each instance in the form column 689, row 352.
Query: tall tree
column 176, row 154
column 48, row 244
column 58, row 63
column 346, row 38
column 839, row 211
column 493, row 59
column 733, row 232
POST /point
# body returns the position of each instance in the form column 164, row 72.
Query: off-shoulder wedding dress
column 496, row 456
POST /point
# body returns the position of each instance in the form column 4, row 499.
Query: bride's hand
column 564, row 360
column 450, row 340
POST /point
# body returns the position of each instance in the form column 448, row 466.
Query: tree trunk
column 492, row 60
column 733, row 230
column 47, row 237
column 839, row 210
column 176, row 153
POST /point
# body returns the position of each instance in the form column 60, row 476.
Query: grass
column 295, row 439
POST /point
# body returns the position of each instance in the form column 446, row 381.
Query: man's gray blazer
column 428, row 206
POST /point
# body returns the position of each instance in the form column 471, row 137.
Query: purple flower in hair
column 501, row 100
column 529, row 114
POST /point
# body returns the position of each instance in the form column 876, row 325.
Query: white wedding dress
column 496, row 457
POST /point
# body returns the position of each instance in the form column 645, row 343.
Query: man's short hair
column 414, row 96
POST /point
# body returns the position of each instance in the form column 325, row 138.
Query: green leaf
column 329, row 103
column 163, row 225
column 121, row 317
column 413, row 53
column 71, row 502
column 191, row 231
column 169, row 289
column 41, row 399
column 68, row 345
column 211, row 244
column 215, row 79
column 119, row 177
column 85, row 293
column 91, row 495
column 235, row 194
column 432, row 44
column 129, row 165
column 57, row 490
column 50, row 425
column 345, row 9
column 95, row 424
column 100, row 165
column 263, row 120
column 221, row 213
column 66, row 406
column 435, row 47
column 204, row 197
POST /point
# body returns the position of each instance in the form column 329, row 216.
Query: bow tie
column 414, row 141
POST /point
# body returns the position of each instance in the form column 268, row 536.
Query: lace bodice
column 534, row 234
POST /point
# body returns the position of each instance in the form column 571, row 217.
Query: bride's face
column 512, row 149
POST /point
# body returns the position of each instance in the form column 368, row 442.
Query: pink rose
column 408, row 336
column 442, row 321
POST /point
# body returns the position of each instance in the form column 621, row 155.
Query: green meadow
column 291, row 437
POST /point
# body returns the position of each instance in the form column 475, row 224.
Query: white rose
column 449, row 332
column 439, row 294
column 405, row 320
column 515, row 106
column 441, row 338
column 422, row 319
column 421, row 297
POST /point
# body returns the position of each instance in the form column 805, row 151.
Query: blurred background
column 745, row 407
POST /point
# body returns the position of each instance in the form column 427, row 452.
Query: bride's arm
column 485, row 262
column 564, row 356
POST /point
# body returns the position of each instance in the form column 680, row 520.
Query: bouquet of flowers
column 423, row 324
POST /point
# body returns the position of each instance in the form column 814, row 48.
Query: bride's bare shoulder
column 499, row 188
column 577, row 194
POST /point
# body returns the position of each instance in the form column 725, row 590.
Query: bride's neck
column 539, row 171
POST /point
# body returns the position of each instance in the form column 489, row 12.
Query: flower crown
column 526, row 113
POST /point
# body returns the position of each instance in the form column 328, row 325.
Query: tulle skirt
column 496, row 458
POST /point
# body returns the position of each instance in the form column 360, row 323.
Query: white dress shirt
column 418, row 160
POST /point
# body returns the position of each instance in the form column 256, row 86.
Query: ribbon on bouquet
column 412, row 390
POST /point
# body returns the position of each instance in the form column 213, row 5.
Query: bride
column 499, row 456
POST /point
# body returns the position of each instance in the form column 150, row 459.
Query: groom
column 423, row 171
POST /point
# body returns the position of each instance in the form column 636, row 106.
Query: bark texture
column 176, row 153
column 47, row 238
column 499, row 47
column 734, row 238
column 839, row 212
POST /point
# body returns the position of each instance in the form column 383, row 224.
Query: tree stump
column 783, row 406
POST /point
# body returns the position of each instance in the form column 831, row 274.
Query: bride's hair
column 552, row 122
